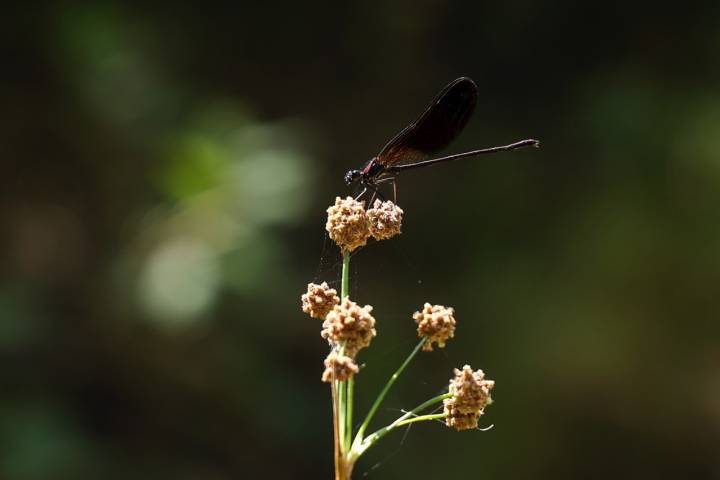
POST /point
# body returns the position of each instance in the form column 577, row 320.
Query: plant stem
column 336, row 434
column 345, row 275
column 381, row 396
column 346, row 387
column 342, row 400
column 341, row 392
column 422, row 418
column 359, row 448
column 349, row 413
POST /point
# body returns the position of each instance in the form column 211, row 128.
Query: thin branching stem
column 422, row 418
column 359, row 448
column 381, row 396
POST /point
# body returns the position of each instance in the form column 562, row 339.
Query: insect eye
column 351, row 176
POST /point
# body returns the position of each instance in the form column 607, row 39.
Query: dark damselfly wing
column 439, row 124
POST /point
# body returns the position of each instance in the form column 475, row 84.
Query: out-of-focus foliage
column 165, row 170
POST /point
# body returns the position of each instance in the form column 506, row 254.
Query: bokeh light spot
column 179, row 281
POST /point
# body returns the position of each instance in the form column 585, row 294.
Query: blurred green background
column 165, row 171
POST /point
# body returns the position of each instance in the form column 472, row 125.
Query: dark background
column 165, row 170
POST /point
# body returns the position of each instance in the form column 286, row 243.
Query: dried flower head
column 319, row 300
column 350, row 325
column 385, row 220
column 436, row 323
column 339, row 367
column 471, row 394
column 347, row 223
column 460, row 421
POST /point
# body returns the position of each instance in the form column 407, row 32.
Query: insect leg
column 375, row 193
column 386, row 180
column 361, row 194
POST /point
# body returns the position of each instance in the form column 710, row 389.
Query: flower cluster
column 436, row 323
column 385, row 220
column 470, row 395
column 349, row 225
column 319, row 300
column 350, row 326
column 339, row 367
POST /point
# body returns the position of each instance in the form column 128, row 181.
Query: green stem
column 345, row 387
column 360, row 447
column 422, row 418
column 349, row 414
column 345, row 275
column 336, row 450
column 381, row 396
column 341, row 414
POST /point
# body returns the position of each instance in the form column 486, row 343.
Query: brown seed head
column 471, row 394
column 319, row 300
column 460, row 421
column 385, row 220
column 347, row 223
column 350, row 325
column 435, row 322
column 339, row 367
